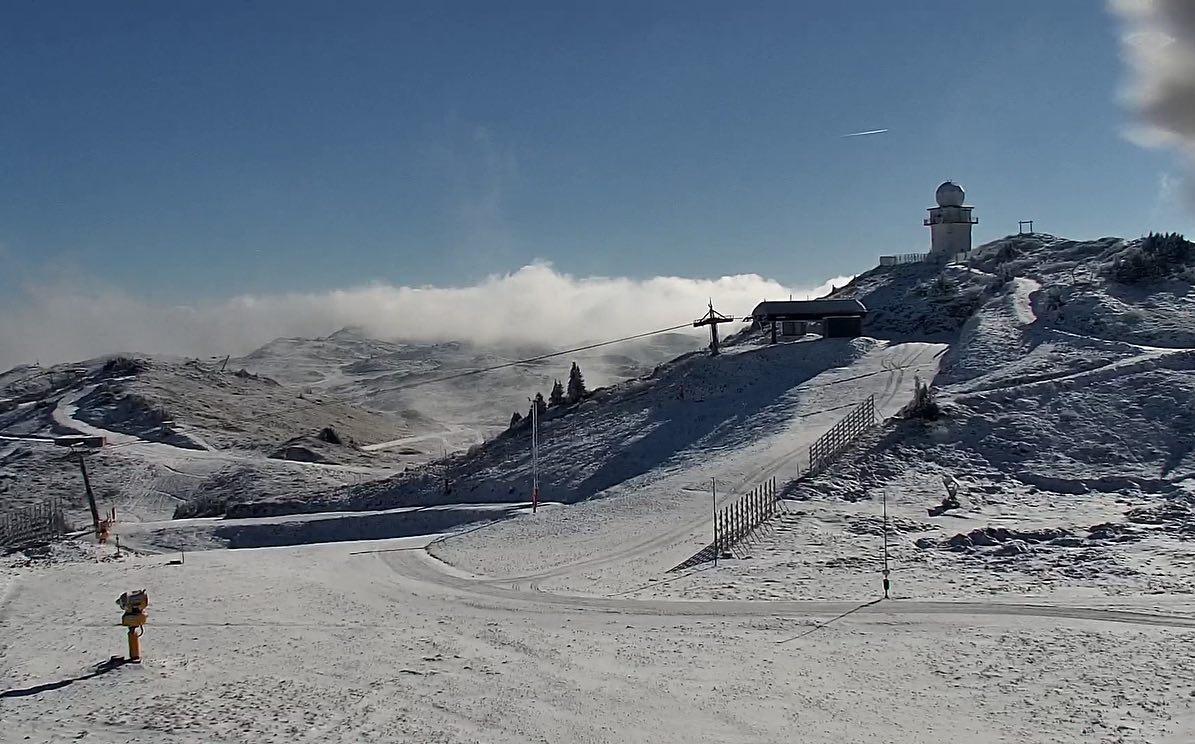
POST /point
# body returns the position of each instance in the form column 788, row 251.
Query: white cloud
column 1158, row 44
column 69, row 321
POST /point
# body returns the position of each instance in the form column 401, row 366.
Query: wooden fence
column 739, row 519
column 829, row 445
column 33, row 524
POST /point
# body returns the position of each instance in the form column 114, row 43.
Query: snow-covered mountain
column 1048, row 599
column 295, row 417
column 1066, row 433
column 377, row 375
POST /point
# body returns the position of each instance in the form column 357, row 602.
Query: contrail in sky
column 864, row 134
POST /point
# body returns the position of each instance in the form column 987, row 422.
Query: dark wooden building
column 830, row 318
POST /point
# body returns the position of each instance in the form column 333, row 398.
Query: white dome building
column 950, row 194
column 949, row 223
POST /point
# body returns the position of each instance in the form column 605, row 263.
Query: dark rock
column 986, row 536
column 120, row 366
column 1069, row 542
column 329, row 435
column 960, row 542
column 948, row 503
column 1012, row 547
column 993, row 536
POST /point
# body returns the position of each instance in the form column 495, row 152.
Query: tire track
column 680, row 535
column 421, row 567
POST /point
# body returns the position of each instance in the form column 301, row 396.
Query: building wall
column 949, row 239
column 839, row 327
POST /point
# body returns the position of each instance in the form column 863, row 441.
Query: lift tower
column 712, row 319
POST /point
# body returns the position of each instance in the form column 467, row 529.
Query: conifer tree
column 556, row 397
column 538, row 403
column 515, row 420
column 576, row 385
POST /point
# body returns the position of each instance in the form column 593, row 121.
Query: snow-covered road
column 342, row 643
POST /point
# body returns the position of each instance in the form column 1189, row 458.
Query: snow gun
column 134, row 604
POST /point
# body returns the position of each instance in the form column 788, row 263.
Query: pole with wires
column 887, row 583
column 534, row 455
column 95, row 512
column 714, row 495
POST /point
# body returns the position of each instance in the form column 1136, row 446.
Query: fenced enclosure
column 829, row 445
column 740, row 518
column 903, row 258
column 36, row 523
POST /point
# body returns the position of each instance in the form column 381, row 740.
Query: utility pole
column 712, row 319
column 534, row 455
column 714, row 495
column 95, row 512
column 887, row 583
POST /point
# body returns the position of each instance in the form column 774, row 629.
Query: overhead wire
column 482, row 370
column 505, row 365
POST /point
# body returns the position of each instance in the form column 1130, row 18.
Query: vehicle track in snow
column 686, row 539
column 421, row 567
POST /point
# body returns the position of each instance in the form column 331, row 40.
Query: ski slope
column 656, row 520
column 505, row 626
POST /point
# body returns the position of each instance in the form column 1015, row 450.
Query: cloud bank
column 1158, row 43
column 65, row 322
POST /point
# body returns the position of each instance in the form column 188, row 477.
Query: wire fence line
column 839, row 437
column 36, row 523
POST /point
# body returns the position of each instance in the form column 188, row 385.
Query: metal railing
column 903, row 258
column 36, row 523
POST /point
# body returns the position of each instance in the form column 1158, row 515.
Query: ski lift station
column 830, row 318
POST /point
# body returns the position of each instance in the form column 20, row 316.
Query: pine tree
column 576, row 384
column 557, row 395
column 515, row 420
column 540, row 404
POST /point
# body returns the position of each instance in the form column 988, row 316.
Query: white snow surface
column 1054, row 603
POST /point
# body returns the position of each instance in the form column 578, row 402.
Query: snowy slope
column 236, row 435
column 695, row 404
column 456, row 414
column 1066, row 424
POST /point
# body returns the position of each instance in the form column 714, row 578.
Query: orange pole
column 134, row 645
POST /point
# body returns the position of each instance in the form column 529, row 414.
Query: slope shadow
column 102, row 668
column 751, row 397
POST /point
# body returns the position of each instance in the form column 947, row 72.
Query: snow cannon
column 134, row 618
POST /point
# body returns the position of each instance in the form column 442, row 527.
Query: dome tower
column 949, row 223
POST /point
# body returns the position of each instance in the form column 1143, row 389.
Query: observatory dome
column 950, row 194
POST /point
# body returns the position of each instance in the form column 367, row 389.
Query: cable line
column 480, row 370
column 529, row 360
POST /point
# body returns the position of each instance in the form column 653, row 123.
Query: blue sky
column 197, row 150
